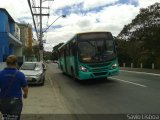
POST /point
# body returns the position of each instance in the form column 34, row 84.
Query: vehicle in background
column 34, row 72
column 48, row 61
column 89, row 55
column 55, row 61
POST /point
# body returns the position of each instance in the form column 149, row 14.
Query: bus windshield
column 99, row 50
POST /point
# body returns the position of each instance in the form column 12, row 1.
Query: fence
column 140, row 66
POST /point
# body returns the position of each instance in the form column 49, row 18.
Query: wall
column 18, row 51
column 1, row 55
column 29, row 36
column 4, row 22
column 7, row 25
column 17, row 32
column 4, row 48
column 23, row 34
column 12, row 27
column 11, row 49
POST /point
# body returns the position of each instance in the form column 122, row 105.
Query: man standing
column 12, row 83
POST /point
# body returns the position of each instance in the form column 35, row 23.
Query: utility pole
column 40, row 15
column 40, row 33
column 40, row 36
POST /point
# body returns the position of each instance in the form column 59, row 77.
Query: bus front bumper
column 100, row 74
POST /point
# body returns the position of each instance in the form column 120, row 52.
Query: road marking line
column 129, row 82
column 140, row 72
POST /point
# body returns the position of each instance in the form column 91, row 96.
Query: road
column 128, row 93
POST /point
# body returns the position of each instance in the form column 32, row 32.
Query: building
column 35, row 42
column 30, row 45
column 9, row 36
column 26, row 35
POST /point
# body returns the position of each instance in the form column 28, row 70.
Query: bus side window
column 67, row 50
column 73, row 49
column 61, row 53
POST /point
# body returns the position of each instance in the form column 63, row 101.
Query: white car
column 34, row 72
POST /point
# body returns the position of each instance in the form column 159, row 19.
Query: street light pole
column 41, row 33
column 63, row 16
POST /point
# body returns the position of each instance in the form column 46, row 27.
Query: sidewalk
column 155, row 71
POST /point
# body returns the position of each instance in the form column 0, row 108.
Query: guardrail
column 141, row 65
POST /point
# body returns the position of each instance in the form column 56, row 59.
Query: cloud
column 17, row 9
column 56, row 37
column 146, row 3
column 111, row 18
column 90, row 4
column 82, row 16
column 58, row 4
column 117, row 15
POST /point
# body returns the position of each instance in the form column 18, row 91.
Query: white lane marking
column 140, row 72
column 129, row 82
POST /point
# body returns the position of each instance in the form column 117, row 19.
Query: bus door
column 65, row 61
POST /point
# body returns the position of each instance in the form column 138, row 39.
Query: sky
column 81, row 16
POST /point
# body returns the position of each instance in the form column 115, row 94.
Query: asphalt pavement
column 130, row 92
column 155, row 71
column 133, row 94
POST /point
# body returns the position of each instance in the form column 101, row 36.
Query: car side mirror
column 44, row 67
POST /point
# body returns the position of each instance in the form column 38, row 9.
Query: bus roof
column 93, row 32
column 78, row 34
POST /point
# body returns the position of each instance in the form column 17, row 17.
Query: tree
column 141, row 42
column 48, row 55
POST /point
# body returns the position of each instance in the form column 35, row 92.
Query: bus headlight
column 83, row 69
column 114, row 65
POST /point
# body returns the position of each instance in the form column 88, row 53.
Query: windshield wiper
column 91, row 43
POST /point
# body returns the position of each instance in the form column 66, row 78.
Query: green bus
column 89, row 55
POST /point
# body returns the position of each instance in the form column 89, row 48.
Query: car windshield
column 28, row 66
column 38, row 66
column 96, row 50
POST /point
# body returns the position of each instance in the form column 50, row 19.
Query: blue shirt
column 18, row 83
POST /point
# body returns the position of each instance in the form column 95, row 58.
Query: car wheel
column 43, row 81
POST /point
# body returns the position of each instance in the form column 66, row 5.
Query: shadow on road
column 35, row 85
column 95, row 81
column 90, row 82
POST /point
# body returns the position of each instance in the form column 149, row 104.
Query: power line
column 40, row 15
column 29, row 3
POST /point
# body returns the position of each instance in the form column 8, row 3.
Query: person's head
column 11, row 60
